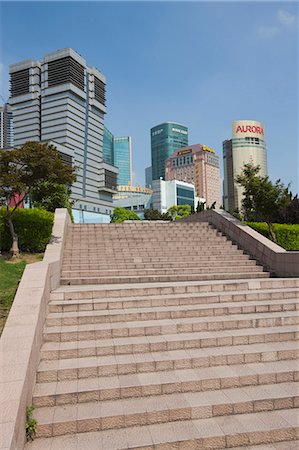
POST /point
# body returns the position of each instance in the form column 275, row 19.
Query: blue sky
column 202, row 64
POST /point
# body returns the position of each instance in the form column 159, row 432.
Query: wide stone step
column 154, row 252
column 185, row 341
column 81, row 273
column 133, row 364
column 165, row 288
column 245, row 261
column 158, row 260
column 167, row 382
column 154, row 301
column 169, row 312
column 96, row 416
column 276, row 430
column 169, row 326
column 161, row 278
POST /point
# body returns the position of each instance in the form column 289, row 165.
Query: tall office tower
column 198, row 165
column 148, row 177
column 108, row 146
column 247, row 145
column 60, row 99
column 6, row 127
column 165, row 139
column 123, row 160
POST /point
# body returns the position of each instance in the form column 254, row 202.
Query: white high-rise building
column 247, row 145
column 6, row 127
column 62, row 100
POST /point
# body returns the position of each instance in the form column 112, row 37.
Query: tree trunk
column 272, row 232
column 14, row 248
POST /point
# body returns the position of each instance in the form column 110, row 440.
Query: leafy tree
column 290, row 213
column 262, row 199
column 200, row 206
column 24, row 169
column 50, row 196
column 121, row 214
column 179, row 211
column 155, row 214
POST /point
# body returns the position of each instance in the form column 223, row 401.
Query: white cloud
column 286, row 19
column 268, row 31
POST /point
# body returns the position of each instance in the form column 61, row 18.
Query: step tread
column 165, row 402
column 177, row 322
column 184, row 336
column 209, row 306
column 167, row 377
column 76, row 363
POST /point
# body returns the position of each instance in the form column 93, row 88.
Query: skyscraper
column 123, row 159
column 165, row 139
column 247, row 145
column 108, row 146
column 118, row 151
column 198, row 165
column 61, row 99
column 148, row 177
column 6, row 126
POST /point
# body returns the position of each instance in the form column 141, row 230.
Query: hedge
column 33, row 227
column 287, row 235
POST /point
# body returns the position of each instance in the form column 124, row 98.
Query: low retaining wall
column 22, row 337
column 274, row 258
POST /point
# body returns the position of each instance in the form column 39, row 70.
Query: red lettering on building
column 249, row 129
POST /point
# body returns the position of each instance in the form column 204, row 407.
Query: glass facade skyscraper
column 123, row 159
column 165, row 139
column 108, row 147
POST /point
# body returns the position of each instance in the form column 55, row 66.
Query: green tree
column 262, row 199
column 24, row 169
column 154, row 214
column 121, row 214
column 179, row 211
column 50, row 196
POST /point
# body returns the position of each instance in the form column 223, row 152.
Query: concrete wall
column 22, row 337
column 274, row 258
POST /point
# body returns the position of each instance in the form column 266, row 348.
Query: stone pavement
column 166, row 336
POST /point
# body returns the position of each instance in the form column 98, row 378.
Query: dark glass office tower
column 165, row 139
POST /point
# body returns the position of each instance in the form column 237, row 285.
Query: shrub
column 287, row 235
column 33, row 227
column 121, row 214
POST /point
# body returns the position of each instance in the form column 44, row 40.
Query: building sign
column 154, row 133
column 185, row 152
column 207, row 149
column 180, row 131
column 250, row 129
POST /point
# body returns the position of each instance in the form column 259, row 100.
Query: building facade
column 247, row 145
column 198, row 165
column 148, row 177
column 123, row 160
column 6, row 127
column 174, row 192
column 108, row 147
column 133, row 198
column 60, row 98
column 165, row 139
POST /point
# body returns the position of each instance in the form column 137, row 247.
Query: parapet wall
column 22, row 336
column 274, row 258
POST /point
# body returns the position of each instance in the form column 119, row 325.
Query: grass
column 10, row 275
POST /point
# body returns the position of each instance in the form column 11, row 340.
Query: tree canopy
column 262, row 199
column 24, row 169
column 121, row 214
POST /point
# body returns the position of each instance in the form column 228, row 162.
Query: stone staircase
column 166, row 336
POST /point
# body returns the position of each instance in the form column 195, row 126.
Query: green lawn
column 10, row 275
